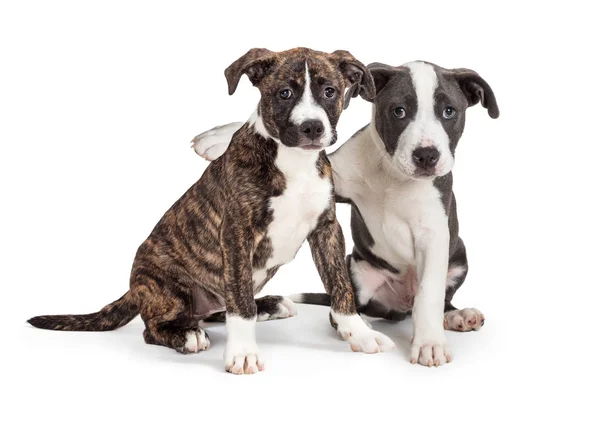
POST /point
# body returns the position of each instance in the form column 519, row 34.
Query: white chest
column 394, row 210
column 405, row 210
column 297, row 210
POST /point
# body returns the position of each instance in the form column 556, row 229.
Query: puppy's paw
column 195, row 341
column 353, row 329
column 464, row 320
column 430, row 352
column 243, row 359
column 213, row 143
column 285, row 308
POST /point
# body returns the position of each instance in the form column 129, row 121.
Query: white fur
column 454, row 273
column 308, row 109
column 296, row 211
column 213, row 143
column 463, row 319
column 241, row 352
column 196, row 341
column 256, row 121
column 425, row 130
column 285, row 309
column 353, row 329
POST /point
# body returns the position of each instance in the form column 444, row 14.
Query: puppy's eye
column 399, row 112
column 329, row 92
column 286, row 94
column 449, row 112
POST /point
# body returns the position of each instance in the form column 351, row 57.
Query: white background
column 98, row 103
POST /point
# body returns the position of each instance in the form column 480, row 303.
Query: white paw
column 196, row 341
column 464, row 320
column 285, row 309
column 432, row 351
column 361, row 338
column 213, row 143
column 243, row 359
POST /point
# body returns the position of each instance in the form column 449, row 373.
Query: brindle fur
column 200, row 257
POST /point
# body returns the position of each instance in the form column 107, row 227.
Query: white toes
column 430, row 348
column 213, row 143
column 196, row 341
column 285, row 309
column 241, row 352
column 361, row 338
column 430, row 354
column 290, row 306
column 464, row 320
column 244, row 363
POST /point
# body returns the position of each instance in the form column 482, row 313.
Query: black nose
column 426, row 157
column 312, row 129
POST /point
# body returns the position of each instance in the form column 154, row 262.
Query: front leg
column 241, row 352
column 327, row 247
column 429, row 345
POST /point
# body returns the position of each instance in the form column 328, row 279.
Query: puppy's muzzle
column 311, row 133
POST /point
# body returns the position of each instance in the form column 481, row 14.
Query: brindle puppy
column 249, row 213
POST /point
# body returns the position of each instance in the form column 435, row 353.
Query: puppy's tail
column 321, row 299
column 110, row 317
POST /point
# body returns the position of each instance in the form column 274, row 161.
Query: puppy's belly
column 392, row 290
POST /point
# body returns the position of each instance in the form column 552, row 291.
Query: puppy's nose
column 312, row 129
column 426, row 157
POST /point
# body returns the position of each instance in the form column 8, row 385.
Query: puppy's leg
column 212, row 143
column 241, row 352
column 267, row 308
column 467, row 319
column 429, row 345
column 167, row 317
column 327, row 246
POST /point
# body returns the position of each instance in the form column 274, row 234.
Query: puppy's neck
column 289, row 159
column 257, row 125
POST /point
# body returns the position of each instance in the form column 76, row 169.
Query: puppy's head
column 302, row 92
column 419, row 113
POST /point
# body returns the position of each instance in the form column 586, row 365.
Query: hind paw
column 195, row 341
column 464, row 320
column 284, row 309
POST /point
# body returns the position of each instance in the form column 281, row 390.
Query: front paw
column 361, row 338
column 430, row 350
column 243, row 359
column 213, row 143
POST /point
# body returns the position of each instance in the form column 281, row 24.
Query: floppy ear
column 381, row 74
column 476, row 89
column 356, row 74
column 256, row 64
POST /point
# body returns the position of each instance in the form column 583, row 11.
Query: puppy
column 249, row 213
column 408, row 258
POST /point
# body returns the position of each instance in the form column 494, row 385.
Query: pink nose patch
column 426, row 143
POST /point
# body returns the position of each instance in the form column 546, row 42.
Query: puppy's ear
column 356, row 74
column 476, row 89
column 256, row 64
column 381, row 74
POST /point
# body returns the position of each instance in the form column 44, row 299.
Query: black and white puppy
column 396, row 172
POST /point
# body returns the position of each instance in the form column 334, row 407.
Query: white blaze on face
column 308, row 109
column 425, row 130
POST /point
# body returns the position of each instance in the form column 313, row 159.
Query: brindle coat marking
column 201, row 256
